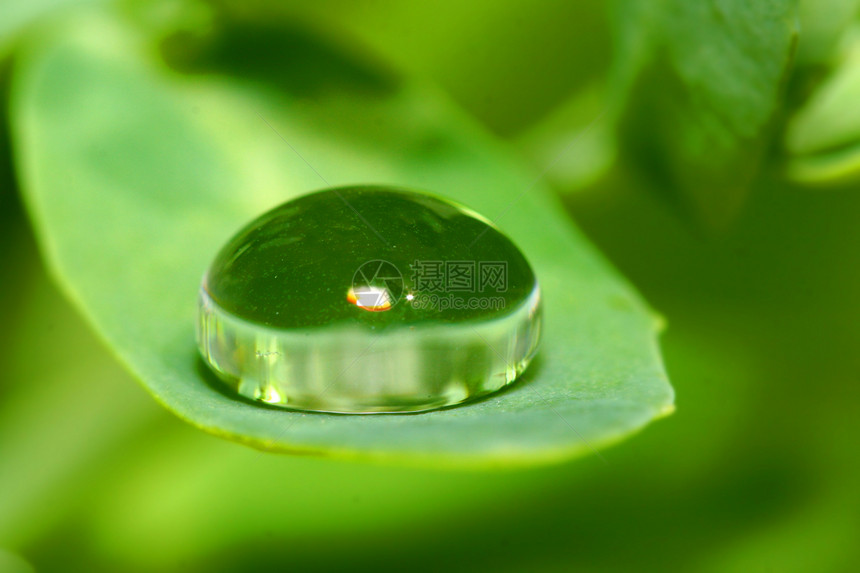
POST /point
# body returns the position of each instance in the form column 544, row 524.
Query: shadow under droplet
column 525, row 379
column 216, row 384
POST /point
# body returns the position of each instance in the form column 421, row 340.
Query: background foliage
column 720, row 178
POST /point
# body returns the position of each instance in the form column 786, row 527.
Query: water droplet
column 368, row 299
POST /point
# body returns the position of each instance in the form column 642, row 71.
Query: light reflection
column 370, row 298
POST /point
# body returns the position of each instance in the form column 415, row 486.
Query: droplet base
column 348, row 370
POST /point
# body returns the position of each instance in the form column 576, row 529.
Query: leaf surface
column 135, row 175
column 698, row 85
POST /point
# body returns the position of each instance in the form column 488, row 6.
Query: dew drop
column 367, row 300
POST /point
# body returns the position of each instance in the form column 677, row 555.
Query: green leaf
column 823, row 138
column 698, row 85
column 135, row 175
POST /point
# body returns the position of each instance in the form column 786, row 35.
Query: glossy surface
column 368, row 299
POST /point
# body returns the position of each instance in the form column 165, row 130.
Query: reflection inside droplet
column 370, row 298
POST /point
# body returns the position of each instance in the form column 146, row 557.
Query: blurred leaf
column 135, row 175
column 823, row 138
column 823, row 25
column 507, row 63
column 697, row 85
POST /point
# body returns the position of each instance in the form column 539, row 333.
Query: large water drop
column 368, row 300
